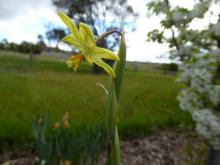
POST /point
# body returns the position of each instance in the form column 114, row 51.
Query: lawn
column 148, row 99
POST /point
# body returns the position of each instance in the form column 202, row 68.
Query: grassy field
column 148, row 100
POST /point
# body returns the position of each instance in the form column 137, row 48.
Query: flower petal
column 105, row 66
column 86, row 34
column 105, row 53
column 89, row 58
column 70, row 24
column 74, row 61
column 72, row 40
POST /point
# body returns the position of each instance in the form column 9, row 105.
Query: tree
column 199, row 51
column 56, row 35
column 41, row 42
column 40, row 38
column 5, row 44
column 101, row 15
column 175, row 22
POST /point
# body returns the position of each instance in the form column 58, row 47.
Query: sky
column 28, row 18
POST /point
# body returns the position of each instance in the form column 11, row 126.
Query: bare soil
column 167, row 147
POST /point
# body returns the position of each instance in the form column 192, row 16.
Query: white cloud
column 27, row 21
column 24, row 20
column 11, row 8
column 138, row 48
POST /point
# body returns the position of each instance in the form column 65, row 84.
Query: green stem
column 113, row 145
column 100, row 39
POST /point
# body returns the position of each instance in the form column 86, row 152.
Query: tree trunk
column 214, row 156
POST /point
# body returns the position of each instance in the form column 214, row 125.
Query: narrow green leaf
column 119, row 67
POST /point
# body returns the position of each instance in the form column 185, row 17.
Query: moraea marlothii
column 83, row 39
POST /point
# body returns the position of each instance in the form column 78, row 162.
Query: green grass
column 148, row 100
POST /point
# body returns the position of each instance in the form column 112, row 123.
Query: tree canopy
column 56, row 35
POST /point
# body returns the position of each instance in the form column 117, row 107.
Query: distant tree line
column 171, row 67
column 54, row 35
column 23, row 47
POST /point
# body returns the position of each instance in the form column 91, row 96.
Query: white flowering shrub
column 178, row 16
column 184, row 51
column 201, row 97
column 199, row 50
column 215, row 29
column 200, row 9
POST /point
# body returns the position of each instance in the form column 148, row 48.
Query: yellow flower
column 56, row 125
column 66, row 120
column 75, row 61
column 83, row 39
column 67, row 162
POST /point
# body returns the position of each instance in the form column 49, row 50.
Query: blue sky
column 30, row 17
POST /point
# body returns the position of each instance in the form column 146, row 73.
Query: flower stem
column 99, row 39
column 113, row 145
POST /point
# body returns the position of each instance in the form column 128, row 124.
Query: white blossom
column 199, row 9
column 214, row 94
column 216, row 29
column 178, row 16
column 207, row 124
column 189, row 100
column 202, row 94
